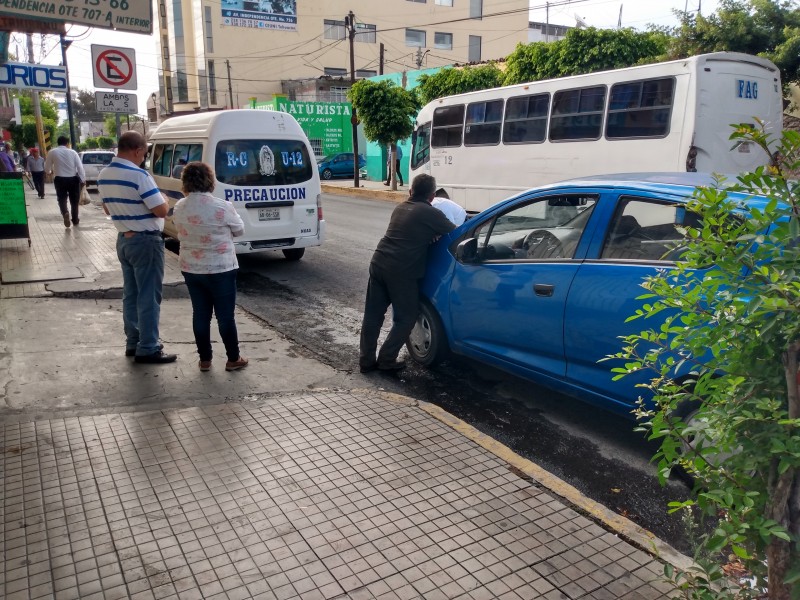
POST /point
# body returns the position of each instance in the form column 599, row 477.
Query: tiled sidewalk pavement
column 321, row 495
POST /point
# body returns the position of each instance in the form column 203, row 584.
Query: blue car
column 339, row 165
column 540, row 285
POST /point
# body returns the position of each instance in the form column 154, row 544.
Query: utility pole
column 380, row 62
column 350, row 23
column 37, row 108
column 230, row 87
column 547, row 22
column 65, row 43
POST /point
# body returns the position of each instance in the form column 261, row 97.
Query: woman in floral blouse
column 206, row 227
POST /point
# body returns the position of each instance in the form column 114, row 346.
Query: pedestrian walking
column 137, row 210
column 206, row 227
column 34, row 165
column 394, row 273
column 66, row 166
column 398, row 174
column 7, row 159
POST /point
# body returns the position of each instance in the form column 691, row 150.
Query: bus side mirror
column 467, row 251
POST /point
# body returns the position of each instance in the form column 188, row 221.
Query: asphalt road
column 317, row 303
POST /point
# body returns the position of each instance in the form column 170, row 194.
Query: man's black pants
column 384, row 289
column 38, row 182
column 68, row 188
column 397, row 171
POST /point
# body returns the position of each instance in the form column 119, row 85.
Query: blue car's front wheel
column 427, row 343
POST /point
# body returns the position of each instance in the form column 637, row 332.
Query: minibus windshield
column 262, row 162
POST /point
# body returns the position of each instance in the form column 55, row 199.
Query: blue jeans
column 213, row 292
column 142, row 260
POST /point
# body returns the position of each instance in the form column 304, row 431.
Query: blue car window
column 543, row 229
column 645, row 229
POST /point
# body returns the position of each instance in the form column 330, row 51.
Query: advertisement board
column 260, row 14
column 124, row 15
column 327, row 124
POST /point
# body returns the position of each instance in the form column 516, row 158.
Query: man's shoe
column 367, row 368
column 397, row 365
column 76, row 222
column 66, row 219
column 385, row 183
column 205, row 365
column 157, row 358
column 235, row 365
column 132, row 351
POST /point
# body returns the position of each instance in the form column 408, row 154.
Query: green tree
column 386, row 111
column 92, row 143
column 84, row 107
column 457, row 81
column 105, row 142
column 729, row 312
column 768, row 28
column 583, row 51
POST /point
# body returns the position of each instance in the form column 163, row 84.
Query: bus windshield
column 262, row 162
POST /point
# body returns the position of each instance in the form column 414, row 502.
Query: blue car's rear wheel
column 427, row 343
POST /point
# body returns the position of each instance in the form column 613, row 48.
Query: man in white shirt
column 67, row 167
column 451, row 210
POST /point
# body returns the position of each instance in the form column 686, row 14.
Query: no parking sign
column 114, row 67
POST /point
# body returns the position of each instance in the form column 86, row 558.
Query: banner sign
column 30, row 25
column 124, row 15
column 326, row 123
column 13, row 212
column 259, row 14
column 116, row 102
column 33, row 77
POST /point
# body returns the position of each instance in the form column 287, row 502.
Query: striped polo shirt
column 129, row 193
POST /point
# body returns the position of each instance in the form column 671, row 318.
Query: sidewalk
column 289, row 479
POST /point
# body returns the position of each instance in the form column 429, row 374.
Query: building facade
column 225, row 53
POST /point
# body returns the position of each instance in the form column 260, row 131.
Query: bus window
column 421, row 145
column 162, row 164
column 577, row 114
column 482, row 127
column 526, row 119
column 448, row 123
column 640, row 108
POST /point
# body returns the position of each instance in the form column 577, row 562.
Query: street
column 317, row 303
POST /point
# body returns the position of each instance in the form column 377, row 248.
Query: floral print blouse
column 206, row 227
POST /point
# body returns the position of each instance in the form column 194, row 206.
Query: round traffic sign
column 114, row 68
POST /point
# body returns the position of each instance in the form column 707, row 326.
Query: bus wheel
column 427, row 342
column 294, row 253
column 327, row 174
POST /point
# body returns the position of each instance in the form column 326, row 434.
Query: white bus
column 263, row 164
column 487, row 145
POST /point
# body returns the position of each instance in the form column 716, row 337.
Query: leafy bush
column 729, row 313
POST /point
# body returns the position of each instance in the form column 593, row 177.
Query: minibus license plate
column 269, row 214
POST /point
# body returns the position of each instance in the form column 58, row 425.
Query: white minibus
column 488, row 145
column 264, row 165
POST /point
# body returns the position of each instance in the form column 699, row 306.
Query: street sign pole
column 116, row 120
column 64, row 45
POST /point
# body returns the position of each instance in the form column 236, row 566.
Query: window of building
column 415, row 38
column 162, row 9
column 338, row 94
column 364, row 73
column 577, row 114
column 420, row 1
column 316, row 146
column 443, row 41
column 365, row 33
column 640, row 108
column 183, row 87
column 444, row 2
column 475, row 9
column 482, row 127
column 209, row 30
column 165, row 52
column 335, row 71
column 526, row 119
column 212, row 83
column 474, row 48
column 335, row 30
column 448, row 123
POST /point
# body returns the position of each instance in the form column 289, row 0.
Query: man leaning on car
column 394, row 273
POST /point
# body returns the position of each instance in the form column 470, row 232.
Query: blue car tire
column 427, row 342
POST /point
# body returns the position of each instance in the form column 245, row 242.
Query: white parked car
column 93, row 162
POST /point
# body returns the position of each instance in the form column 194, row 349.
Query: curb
column 621, row 526
column 364, row 192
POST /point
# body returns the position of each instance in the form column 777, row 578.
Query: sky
column 596, row 13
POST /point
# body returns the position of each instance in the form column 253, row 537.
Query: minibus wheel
column 294, row 253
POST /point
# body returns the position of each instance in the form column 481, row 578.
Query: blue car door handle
column 543, row 289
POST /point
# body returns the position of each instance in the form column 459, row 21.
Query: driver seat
column 624, row 241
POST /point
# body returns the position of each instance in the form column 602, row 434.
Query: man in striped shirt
column 137, row 209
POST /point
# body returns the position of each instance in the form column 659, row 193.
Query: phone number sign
column 123, row 15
